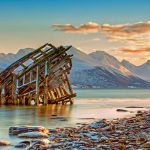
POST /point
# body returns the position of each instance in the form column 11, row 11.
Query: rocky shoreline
column 118, row 134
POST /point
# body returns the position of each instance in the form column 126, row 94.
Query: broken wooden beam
column 44, row 81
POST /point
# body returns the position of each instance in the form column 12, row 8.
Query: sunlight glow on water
column 84, row 110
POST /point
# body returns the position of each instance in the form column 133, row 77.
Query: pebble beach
column 117, row 134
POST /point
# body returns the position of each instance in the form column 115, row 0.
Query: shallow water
column 113, row 93
column 89, row 105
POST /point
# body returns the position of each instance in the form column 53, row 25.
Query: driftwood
column 40, row 77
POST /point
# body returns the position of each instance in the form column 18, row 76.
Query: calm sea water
column 110, row 93
column 89, row 105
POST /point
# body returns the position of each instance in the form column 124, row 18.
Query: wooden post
column 58, row 94
column 3, row 96
column 30, row 76
column 23, row 100
column 16, row 91
column 30, row 98
column 46, row 82
column 49, row 96
column 52, row 95
column 58, row 91
column 0, row 94
column 24, row 78
column 70, row 88
column 64, row 89
column 37, row 86
column 61, row 92
column 69, row 84
column 15, row 88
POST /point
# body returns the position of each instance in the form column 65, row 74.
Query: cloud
column 127, row 39
column 89, row 27
column 115, row 30
column 136, row 51
column 124, row 30
column 136, row 33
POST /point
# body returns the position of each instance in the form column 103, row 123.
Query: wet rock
column 117, row 134
column 41, row 144
column 57, row 117
column 97, row 124
column 37, row 147
column 122, row 110
column 134, row 107
column 25, row 142
column 21, row 145
column 23, row 129
column 103, row 147
column 63, row 119
column 146, row 145
column 33, row 135
column 103, row 139
column 4, row 143
column 142, row 138
column 52, row 131
column 122, row 147
column 55, row 146
column 54, row 115
column 41, row 141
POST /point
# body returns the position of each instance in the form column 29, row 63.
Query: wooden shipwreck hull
column 40, row 77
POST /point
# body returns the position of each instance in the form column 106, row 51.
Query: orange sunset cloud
column 116, row 30
column 142, row 50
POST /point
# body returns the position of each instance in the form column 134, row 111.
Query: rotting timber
column 40, row 77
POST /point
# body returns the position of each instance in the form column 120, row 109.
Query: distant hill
column 142, row 71
column 101, row 70
column 94, row 70
column 7, row 59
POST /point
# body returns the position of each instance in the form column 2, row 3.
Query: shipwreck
column 40, row 77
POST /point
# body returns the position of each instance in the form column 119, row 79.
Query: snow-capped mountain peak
column 98, row 69
column 24, row 51
column 110, row 62
column 142, row 71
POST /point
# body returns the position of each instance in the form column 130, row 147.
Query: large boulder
column 23, row 129
column 33, row 135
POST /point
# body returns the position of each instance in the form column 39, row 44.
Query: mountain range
column 142, row 71
column 96, row 70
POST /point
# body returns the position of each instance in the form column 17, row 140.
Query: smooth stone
column 41, row 141
column 23, row 129
column 58, row 117
column 97, row 124
column 142, row 138
column 33, row 135
column 103, row 139
column 146, row 145
column 64, row 119
column 54, row 115
column 52, row 131
column 55, row 145
column 4, row 143
column 134, row 107
column 122, row 110
column 37, row 147
column 140, row 112
column 21, row 145
column 32, row 102
column 103, row 147
column 25, row 142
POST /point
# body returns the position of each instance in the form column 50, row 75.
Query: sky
column 119, row 27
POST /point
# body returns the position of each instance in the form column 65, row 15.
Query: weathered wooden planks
column 43, row 81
